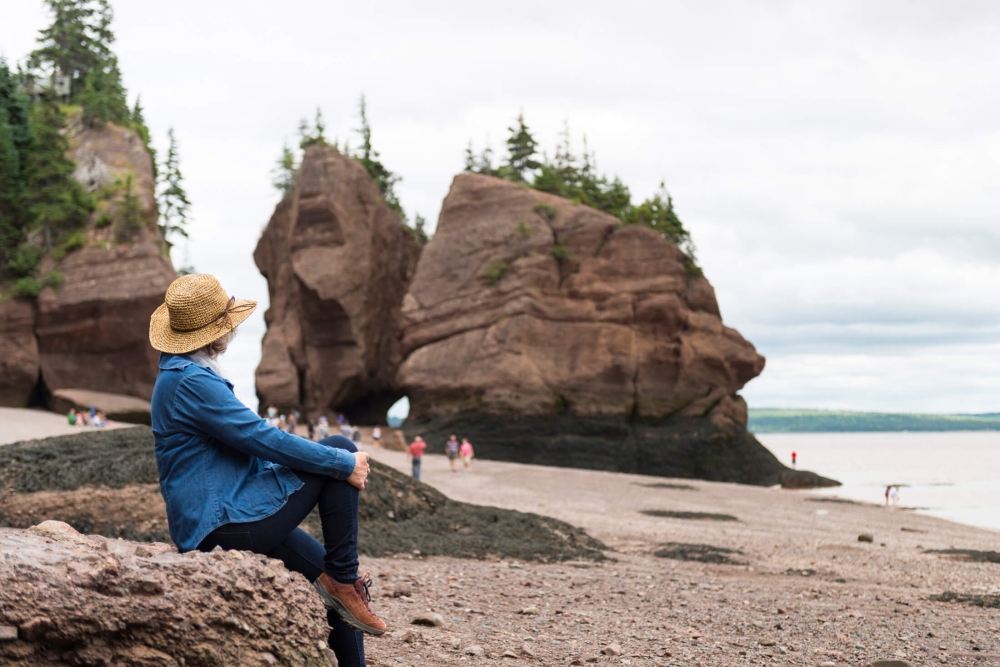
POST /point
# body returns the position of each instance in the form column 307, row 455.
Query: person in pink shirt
column 465, row 451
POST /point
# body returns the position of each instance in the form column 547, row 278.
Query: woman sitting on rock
column 231, row 480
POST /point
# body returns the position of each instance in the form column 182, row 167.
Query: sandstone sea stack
column 90, row 333
column 337, row 262
column 550, row 333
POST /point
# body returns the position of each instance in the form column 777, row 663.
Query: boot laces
column 362, row 586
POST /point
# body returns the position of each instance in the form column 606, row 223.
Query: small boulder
column 612, row 650
column 474, row 650
column 428, row 619
column 866, row 537
column 529, row 611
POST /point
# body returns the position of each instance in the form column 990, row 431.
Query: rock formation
column 337, row 262
column 91, row 332
column 70, row 599
column 549, row 333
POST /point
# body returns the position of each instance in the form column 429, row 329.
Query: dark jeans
column 278, row 536
column 416, row 468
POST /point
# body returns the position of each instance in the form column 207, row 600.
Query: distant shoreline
column 790, row 420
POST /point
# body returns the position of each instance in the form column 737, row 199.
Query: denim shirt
column 219, row 462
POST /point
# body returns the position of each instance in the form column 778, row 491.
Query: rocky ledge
column 71, row 599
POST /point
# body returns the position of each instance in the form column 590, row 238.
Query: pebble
column 459, row 603
column 612, row 649
column 433, row 620
column 456, row 644
column 767, row 642
column 474, row 650
column 508, row 654
column 891, row 663
column 8, row 633
column 527, row 651
column 865, row 537
column 529, row 611
column 828, row 663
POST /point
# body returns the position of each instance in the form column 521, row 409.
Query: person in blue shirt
column 231, row 480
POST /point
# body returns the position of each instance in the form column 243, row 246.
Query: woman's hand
column 359, row 477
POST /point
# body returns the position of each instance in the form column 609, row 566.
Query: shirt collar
column 174, row 361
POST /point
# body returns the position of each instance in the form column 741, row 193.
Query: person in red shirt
column 416, row 452
column 794, row 458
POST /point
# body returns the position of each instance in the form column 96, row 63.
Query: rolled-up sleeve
column 207, row 405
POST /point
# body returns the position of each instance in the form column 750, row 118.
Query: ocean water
column 952, row 475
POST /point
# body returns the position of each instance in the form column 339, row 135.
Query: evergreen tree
column 521, row 149
column 103, row 97
column 384, row 179
column 54, row 201
column 314, row 137
column 77, row 42
column 130, row 212
column 16, row 139
column 471, row 164
column 139, row 123
column 174, row 204
column 285, row 172
column 417, row 230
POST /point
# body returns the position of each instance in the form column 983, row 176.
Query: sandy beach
column 804, row 590
column 18, row 424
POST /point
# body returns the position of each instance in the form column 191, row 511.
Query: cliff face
column 547, row 333
column 92, row 331
column 337, row 261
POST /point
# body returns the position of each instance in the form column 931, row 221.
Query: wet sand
column 805, row 591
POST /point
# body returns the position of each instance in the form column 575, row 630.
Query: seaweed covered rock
column 72, row 599
column 106, row 482
column 337, row 262
column 550, row 333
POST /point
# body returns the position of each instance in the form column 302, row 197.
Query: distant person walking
column 416, row 453
column 377, row 437
column 465, row 451
column 451, row 449
column 323, row 427
column 794, row 458
column 888, row 490
column 894, row 496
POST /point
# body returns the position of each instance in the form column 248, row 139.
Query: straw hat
column 196, row 312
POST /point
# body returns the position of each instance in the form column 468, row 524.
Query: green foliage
column 417, row 230
column 492, row 274
column 30, row 286
column 546, row 211
column 576, row 178
column 521, row 150
column 173, row 202
column 103, row 97
column 24, row 260
column 54, row 201
column 73, row 242
column 384, row 179
column 104, row 220
column 523, row 230
column 130, row 216
column 139, row 124
column 285, row 172
column 561, row 252
column 16, row 139
column 77, row 42
column 314, row 137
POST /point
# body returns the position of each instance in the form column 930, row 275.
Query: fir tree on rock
column 77, row 42
column 521, row 150
column 384, row 179
column 285, row 171
column 174, row 205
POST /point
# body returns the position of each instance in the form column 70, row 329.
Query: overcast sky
column 836, row 162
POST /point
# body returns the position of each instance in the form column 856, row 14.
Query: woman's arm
column 206, row 404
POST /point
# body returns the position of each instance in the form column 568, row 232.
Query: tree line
column 576, row 177
column 43, row 210
column 287, row 167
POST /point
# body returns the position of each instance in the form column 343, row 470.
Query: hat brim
column 165, row 339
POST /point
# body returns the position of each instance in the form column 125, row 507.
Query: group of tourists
column 453, row 449
column 319, row 428
column 96, row 418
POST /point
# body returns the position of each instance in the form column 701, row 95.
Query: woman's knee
column 339, row 442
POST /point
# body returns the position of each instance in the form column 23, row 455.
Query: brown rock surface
column 594, row 348
column 92, row 332
column 337, row 261
column 19, row 364
column 86, row 600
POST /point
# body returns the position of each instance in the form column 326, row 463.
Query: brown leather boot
column 350, row 601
